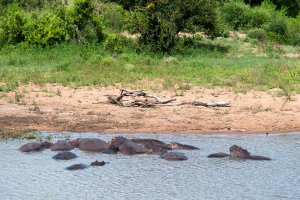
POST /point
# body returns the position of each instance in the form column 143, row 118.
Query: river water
column 36, row 176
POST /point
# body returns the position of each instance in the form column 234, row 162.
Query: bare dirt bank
column 58, row 108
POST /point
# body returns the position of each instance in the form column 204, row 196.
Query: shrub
column 46, row 30
column 82, row 21
column 278, row 26
column 236, row 14
column 258, row 34
column 275, row 37
column 293, row 26
column 159, row 21
column 12, row 26
column 76, row 22
column 113, row 15
column 260, row 16
column 114, row 43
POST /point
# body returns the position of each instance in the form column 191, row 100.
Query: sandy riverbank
column 58, row 108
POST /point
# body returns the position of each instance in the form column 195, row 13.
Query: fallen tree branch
column 158, row 101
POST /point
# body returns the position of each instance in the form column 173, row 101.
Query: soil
column 85, row 109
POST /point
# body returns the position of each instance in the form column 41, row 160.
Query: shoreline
column 85, row 109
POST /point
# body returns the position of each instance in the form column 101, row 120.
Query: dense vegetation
column 80, row 42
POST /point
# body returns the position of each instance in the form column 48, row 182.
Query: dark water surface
column 38, row 176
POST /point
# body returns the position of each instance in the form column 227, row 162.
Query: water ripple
column 36, row 176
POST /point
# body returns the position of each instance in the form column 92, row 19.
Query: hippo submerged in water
column 126, row 146
column 175, row 145
column 238, row 153
column 83, row 166
column 61, row 145
column 66, row 155
column 144, row 146
column 35, row 146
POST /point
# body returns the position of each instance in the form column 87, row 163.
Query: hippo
column 238, row 153
column 75, row 143
column 126, row 146
column 153, row 146
column 35, row 146
column 175, row 145
column 61, row 145
column 173, row 156
column 218, row 155
column 97, row 163
column 66, row 155
column 77, row 167
column 93, row 144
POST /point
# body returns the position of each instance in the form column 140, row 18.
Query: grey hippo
column 35, row 146
column 66, row 155
column 61, row 145
column 173, row 156
column 238, row 153
column 175, row 145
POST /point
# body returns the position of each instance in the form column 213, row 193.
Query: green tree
column 159, row 21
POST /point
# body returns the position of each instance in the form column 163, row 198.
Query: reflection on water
column 38, row 176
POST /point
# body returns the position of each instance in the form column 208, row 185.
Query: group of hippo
column 126, row 146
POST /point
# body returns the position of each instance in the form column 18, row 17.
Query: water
column 37, row 176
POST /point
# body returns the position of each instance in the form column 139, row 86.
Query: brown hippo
column 77, row 167
column 126, row 146
column 61, row 145
column 175, row 145
column 218, row 155
column 153, row 146
column 93, row 144
column 173, row 156
column 238, row 153
column 66, row 155
column 35, row 146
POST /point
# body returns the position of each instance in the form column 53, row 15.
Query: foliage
column 236, row 14
column 13, row 26
column 114, row 43
column 258, row 34
column 293, row 26
column 76, row 22
column 277, row 29
column 292, row 6
column 46, row 30
column 159, row 21
column 113, row 15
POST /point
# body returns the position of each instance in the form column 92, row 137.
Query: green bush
column 275, row 37
column 47, row 30
column 260, row 16
column 13, row 27
column 82, row 21
column 277, row 25
column 115, row 43
column 159, row 21
column 113, row 15
column 77, row 22
column 236, row 14
column 258, row 34
column 293, row 26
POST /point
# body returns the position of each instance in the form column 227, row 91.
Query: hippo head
column 76, row 142
column 45, row 144
column 237, row 152
column 115, row 143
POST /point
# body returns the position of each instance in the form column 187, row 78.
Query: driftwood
column 157, row 100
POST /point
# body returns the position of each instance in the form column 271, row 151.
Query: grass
column 12, row 134
column 209, row 63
